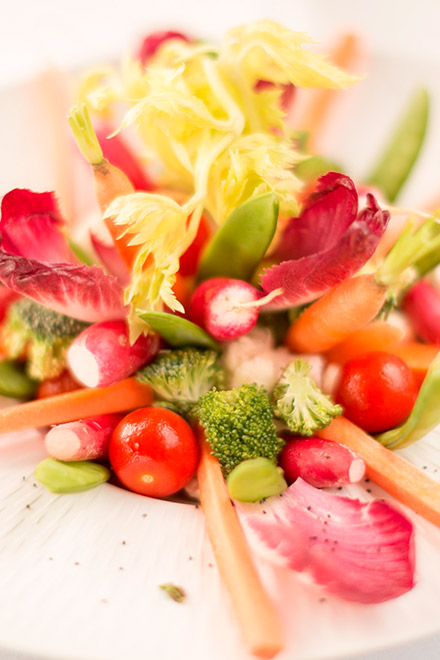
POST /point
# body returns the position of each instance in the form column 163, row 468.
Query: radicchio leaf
column 82, row 292
column 360, row 551
column 31, row 225
column 311, row 276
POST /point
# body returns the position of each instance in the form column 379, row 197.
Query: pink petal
column 311, row 276
column 360, row 551
column 31, row 226
column 83, row 292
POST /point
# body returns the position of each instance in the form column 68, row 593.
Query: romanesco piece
column 42, row 334
column 238, row 425
column 180, row 377
column 299, row 402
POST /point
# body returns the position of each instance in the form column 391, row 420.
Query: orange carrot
column 343, row 310
column 399, row 478
column 319, row 102
column 110, row 181
column 379, row 336
column 256, row 614
column 417, row 356
column 125, row 395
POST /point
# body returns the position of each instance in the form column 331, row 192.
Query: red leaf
column 31, row 225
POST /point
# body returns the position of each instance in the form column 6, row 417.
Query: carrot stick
column 110, row 181
column 125, row 395
column 256, row 614
column 319, row 103
column 379, row 336
column 417, row 356
column 399, row 478
column 340, row 312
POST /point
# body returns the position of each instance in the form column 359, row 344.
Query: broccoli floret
column 238, row 425
column 42, row 335
column 180, row 377
column 299, row 402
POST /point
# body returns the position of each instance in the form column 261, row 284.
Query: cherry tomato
column 154, row 452
column 377, row 391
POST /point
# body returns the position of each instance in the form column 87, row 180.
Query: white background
column 69, row 34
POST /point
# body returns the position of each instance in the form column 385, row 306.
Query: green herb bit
column 176, row 593
column 73, row 477
column 255, row 479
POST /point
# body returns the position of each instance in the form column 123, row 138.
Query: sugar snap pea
column 241, row 242
column 177, row 331
column 73, row 477
column 14, row 382
column 404, row 146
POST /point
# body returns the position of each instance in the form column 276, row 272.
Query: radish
column 422, row 305
column 83, row 440
column 322, row 463
column 102, row 355
column 227, row 308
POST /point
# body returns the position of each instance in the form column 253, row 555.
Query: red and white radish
column 422, row 305
column 102, row 355
column 226, row 308
column 83, row 440
column 322, row 463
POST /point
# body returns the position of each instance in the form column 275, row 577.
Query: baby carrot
column 256, row 614
column 355, row 302
column 417, row 356
column 68, row 407
column 379, row 336
column 110, row 181
column 399, row 478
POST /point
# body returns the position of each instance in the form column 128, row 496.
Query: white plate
column 79, row 574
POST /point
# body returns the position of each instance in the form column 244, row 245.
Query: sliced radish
column 322, row 463
column 422, row 305
column 86, row 439
column 101, row 355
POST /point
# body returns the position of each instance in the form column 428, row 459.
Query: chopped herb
column 176, row 593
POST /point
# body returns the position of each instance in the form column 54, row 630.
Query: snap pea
column 177, row 331
column 255, row 479
column 310, row 169
column 62, row 477
column 14, row 382
column 402, row 150
column 424, row 416
column 241, row 242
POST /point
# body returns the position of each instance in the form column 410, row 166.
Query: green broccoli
column 181, row 376
column 42, row 334
column 238, row 425
column 299, row 402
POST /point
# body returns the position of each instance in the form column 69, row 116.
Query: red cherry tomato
column 377, row 391
column 154, row 452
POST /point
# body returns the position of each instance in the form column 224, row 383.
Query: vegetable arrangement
column 234, row 329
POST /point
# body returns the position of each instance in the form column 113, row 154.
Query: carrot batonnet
column 345, row 309
column 257, row 617
column 394, row 474
column 379, row 336
column 417, row 356
column 125, row 395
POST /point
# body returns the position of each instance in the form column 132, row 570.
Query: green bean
column 402, row 150
column 178, row 331
column 242, row 241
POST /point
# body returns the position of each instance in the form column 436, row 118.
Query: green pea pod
column 402, row 150
column 425, row 414
column 177, row 331
column 74, row 477
column 14, row 382
column 242, row 241
column 311, row 168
